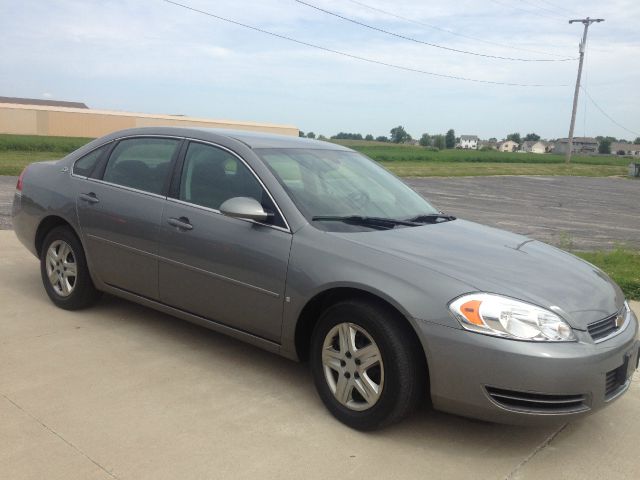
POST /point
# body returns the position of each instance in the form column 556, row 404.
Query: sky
column 155, row 57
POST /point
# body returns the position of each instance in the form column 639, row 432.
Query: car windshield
column 337, row 183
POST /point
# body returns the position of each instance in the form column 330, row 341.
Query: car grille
column 615, row 380
column 537, row 402
column 607, row 326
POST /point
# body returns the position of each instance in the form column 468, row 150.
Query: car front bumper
column 518, row 382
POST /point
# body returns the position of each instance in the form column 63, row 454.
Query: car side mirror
column 244, row 207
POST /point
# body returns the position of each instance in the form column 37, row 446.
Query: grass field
column 622, row 265
column 16, row 151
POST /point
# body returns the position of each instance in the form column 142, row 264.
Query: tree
column 637, row 141
column 439, row 141
column 321, row 137
column 425, row 140
column 450, row 139
column 399, row 134
column 514, row 137
column 369, row 137
column 347, row 136
column 532, row 137
column 382, row 138
column 493, row 139
column 311, row 135
column 604, row 146
column 300, row 133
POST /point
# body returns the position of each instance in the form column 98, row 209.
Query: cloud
column 154, row 56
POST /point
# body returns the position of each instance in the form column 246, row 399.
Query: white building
column 469, row 142
column 630, row 149
column 531, row 146
column 508, row 146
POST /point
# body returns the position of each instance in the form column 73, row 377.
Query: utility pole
column 586, row 21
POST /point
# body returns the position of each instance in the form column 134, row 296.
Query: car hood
column 492, row 260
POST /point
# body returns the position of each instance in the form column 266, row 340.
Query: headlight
column 505, row 317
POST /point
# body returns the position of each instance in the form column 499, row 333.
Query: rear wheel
column 366, row 364
column 64, row 271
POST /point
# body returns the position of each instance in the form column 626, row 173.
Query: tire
column 360, row 391
column 64, row 271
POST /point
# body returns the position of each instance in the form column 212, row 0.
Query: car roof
column 250, row 138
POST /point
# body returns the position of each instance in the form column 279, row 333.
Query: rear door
column 224, row 269
column 120, row 212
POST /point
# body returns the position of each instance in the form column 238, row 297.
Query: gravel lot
column 572, row 212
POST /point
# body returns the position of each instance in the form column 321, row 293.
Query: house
column 469, row 142
column 580, row 145
column 532, row 146
column 38, row 101
column 549, row 147
column 488, row 144
column 630, row 149
column 507, row 146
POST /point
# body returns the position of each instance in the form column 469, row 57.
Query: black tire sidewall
column 383, row 327
column 84, row 292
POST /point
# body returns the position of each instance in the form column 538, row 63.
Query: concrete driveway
column 120, row 391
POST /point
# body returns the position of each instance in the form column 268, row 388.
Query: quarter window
column 141, row 163
column 85, row 165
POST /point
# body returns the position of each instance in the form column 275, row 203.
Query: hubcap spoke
column 343, row 389
column 368, row 356
column 70, row 270
column 367, row 388
column 332, row 359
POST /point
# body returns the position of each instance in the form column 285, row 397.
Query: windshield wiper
column 375, row 222
column 432, row 218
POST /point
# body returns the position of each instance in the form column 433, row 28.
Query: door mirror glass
column 244, row 207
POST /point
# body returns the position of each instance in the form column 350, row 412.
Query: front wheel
column 64, row 271
column 366, row 365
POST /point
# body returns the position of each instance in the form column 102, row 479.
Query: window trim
column 174, row 189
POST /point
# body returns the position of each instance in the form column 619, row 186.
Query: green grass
column 461, row 169
column 622, row 265
column 16, row 151
column 385, row 152
column 35, row 143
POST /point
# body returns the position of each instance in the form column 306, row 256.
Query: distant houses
column 507, row 146
column 531, row 146
column 469, row 142
column 581, row 145
column 629, row 149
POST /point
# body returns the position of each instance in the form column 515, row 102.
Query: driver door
column 224, row 269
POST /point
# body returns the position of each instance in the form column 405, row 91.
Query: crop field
column 16, row 151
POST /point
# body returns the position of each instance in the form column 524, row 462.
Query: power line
column 356, row 57
column 435, row 45
column 451, row 32
column 530, row 12
column 531, row 4
column 606, row 114
column 556, row 6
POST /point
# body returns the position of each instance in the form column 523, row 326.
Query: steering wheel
column 358, row 199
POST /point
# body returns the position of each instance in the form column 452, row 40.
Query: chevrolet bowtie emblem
column 619, row 320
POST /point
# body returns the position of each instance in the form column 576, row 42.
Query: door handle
column 182, row 223
column 89, row 197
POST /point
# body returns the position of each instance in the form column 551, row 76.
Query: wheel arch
column 314, row 308
column 47, row 224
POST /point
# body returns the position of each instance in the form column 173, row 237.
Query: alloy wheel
column 61, row 268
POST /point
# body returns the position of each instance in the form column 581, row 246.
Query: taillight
column 20, row 180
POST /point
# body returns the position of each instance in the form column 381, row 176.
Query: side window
column 84, row 166
column 141, row 163
column 210, row 176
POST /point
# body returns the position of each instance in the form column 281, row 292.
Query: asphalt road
column 572, row 212
column 120, row 392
